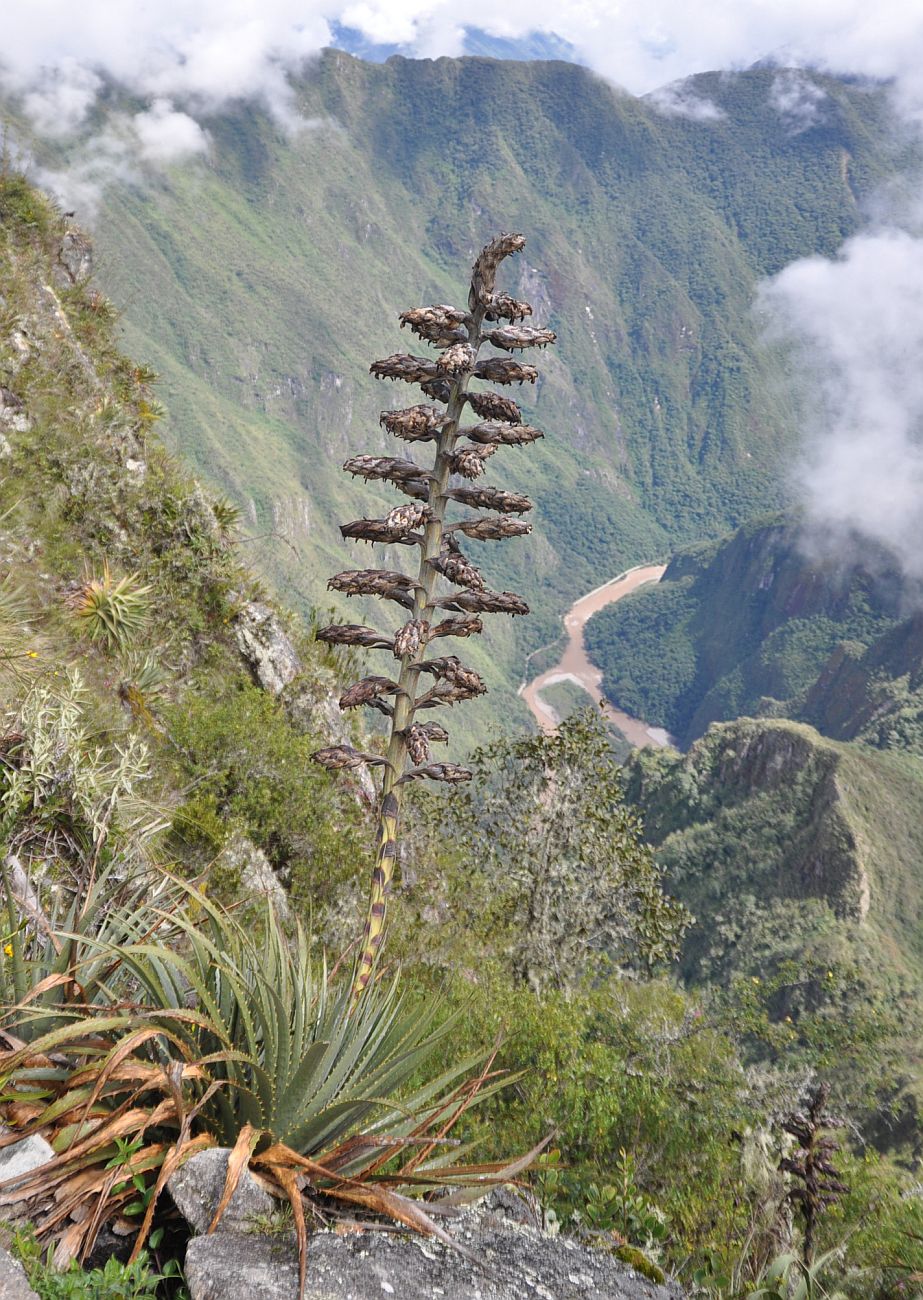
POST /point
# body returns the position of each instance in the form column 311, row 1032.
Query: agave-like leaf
column 492, row 433
column 493, row 406
column 353, row 634
column 491, row 529
column 511, row 337
column 484, row 602
column 413, row 370
column 502, row 370
column 491, row 498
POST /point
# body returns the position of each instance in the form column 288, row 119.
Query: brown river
column 574, row 666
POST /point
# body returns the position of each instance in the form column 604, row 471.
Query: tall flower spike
column 458, row 335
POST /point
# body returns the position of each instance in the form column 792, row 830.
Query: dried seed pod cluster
column 458, row 335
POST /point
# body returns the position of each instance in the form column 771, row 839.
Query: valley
column 574, row 666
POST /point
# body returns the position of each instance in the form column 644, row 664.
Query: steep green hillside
column 148, row 734
column 746, row 625
column 262, row 281
column 802, row 860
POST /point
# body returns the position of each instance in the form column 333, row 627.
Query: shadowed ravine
column 574, row 665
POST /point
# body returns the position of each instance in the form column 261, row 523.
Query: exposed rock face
column 266, row 647
column 196, row 1190
column 75, row 258
column 257, row 878
column 24, row 1156
column 13, row 1284
column 518, row 1262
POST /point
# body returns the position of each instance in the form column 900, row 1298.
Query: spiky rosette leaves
column 491, row 498
column 338, row 757
column 484, row 271
column 366, row 691
column 494, row 529
column 380, row 531
column 503, row 370
column 419, row 423
column 353, row 634
column 502, row 307
column 412, row 370
column 374, row 582
column 439, row 324
column 409, row 639
column 470, row 625
column 459, row 569
column 449, row 772
column 483, row 602
column 493, row 406
column 469, row 462
column 491, row 434
column 511, row 337
column 111, row 610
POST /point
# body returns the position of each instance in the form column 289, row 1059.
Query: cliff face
column 754, row 625
column 774, row 836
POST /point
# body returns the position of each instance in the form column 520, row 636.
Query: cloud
column 203, row 53
column 680, row 100
column 797, row 99
column 164, row 135
column 854, row 326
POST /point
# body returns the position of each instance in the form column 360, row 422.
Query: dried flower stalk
column 458, row 335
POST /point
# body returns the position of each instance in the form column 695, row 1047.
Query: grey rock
column 13, row 1284
column 196, row 1190
column 22, row 1157
column 312, row 709
column 518, row 1263
column 257, row 878
column 264, row 644
column 12, row 412
column 75, row 257
column 5, row 449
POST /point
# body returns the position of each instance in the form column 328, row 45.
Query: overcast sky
column 210, row 50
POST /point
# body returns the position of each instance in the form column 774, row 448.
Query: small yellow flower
column 32, row 654
column 755, row 979
column 8, row 949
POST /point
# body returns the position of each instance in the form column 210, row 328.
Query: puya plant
column 461, row 450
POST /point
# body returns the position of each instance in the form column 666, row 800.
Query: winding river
column 574, row 666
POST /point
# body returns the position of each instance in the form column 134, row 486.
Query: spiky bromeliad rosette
column 448, row 594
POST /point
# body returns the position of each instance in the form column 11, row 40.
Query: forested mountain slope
column 261, row 281
column 757, row 624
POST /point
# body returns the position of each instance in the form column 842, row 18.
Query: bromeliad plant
column 166, row 1027
column 461, row 451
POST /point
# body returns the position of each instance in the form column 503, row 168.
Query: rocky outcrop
column 252, row 872
column 503, row 1257
column 264, row 644
column 13, row 1283
column 197, row 1186
column 310, row 704
column 75, row 258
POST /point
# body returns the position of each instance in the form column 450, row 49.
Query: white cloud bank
column 855, row 323
column 201, row 53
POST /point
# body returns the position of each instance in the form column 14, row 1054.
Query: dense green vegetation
column 149, row 748
column 748, row 626
column 260, row 281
